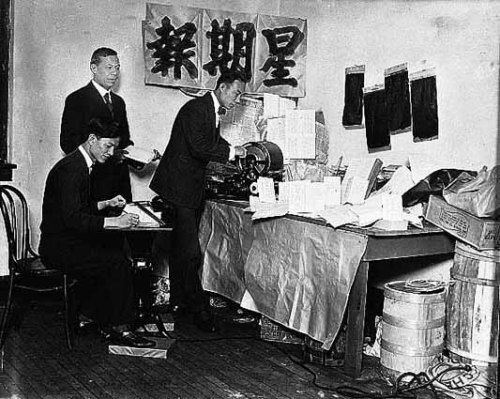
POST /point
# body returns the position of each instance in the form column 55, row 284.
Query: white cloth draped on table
column 295, row 272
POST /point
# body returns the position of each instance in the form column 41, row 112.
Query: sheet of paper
column 276, row 106
column 276, row 135
column 284, row 191
column 239, row 125
column 315, row 197
column 139, row 154
column 392, row 207
column 367, row 214
column 333, row 190
column 300, row 133
column 271, row 105
column 339, row 215
column 265, row 186
column 298, row 196
column 286, row 104
column 400, row 182
column 270, row 210
column 354, row 190
column 144, row 218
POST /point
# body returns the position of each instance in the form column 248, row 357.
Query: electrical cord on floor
column 405, row 384
column 402, row 389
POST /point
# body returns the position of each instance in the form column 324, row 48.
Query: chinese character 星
column 282, row 43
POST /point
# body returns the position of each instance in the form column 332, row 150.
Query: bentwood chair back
column 26, row 270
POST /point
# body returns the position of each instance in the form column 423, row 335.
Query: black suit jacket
column 81, row 106
column 70, row 217
column 194, row 141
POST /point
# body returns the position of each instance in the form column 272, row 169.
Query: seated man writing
column 74, row 237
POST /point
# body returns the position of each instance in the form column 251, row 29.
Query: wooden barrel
column 472, row 306
column 413, row 323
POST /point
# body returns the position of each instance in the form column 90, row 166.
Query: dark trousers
column 185, row 261
column 105, row 290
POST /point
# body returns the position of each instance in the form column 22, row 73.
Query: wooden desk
column 383, row 245
column 380, row 245
column 140, row 240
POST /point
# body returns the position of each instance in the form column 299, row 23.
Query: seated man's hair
column 229, row 77
column 104, row 128
column 101, row 52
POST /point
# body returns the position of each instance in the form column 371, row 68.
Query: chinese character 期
column 282, row 43
column 171, row 49
column 220, row 39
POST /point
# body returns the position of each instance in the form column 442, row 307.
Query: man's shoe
column 86, row 326
column 179, row 311
column 205, row 322
column 108, row 334
column 128, row 338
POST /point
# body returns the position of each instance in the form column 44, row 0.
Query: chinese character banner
column 191, row 47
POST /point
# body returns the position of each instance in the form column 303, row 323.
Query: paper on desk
column 298, row 195
column 368, row 213
column 284, row 191
column 267, row 210
column 316, row 197
column 139, row 154
column 354, row 190
column 392, row 207
column 400, row 182
column 333, row 190
column 145, row 220
column 339, row 215
column 265, row 187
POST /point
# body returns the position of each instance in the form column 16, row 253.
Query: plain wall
column 53, row 41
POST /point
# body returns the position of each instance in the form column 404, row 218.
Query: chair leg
column 6, row 312
column 67, row 326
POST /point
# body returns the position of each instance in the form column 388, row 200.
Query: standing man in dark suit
column 96, row 100
column 74, row 239
column 180, row 181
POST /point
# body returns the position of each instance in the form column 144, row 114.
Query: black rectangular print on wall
column 353, row 96
column 424, row 106
column 377, row 132
column 397, row 95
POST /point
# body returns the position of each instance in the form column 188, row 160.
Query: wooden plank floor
column 234, row 363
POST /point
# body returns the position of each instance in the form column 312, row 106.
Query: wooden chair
column 26, row 270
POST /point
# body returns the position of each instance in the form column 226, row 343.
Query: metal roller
column 264, row 156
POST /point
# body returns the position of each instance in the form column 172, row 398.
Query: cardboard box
column 160, row 351
column 478, row 232
column 274, row 332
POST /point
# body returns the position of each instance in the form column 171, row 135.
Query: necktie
column 221, row 111
column 107, row 100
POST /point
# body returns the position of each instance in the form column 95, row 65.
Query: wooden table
column 381, row 245
column 140, row 239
